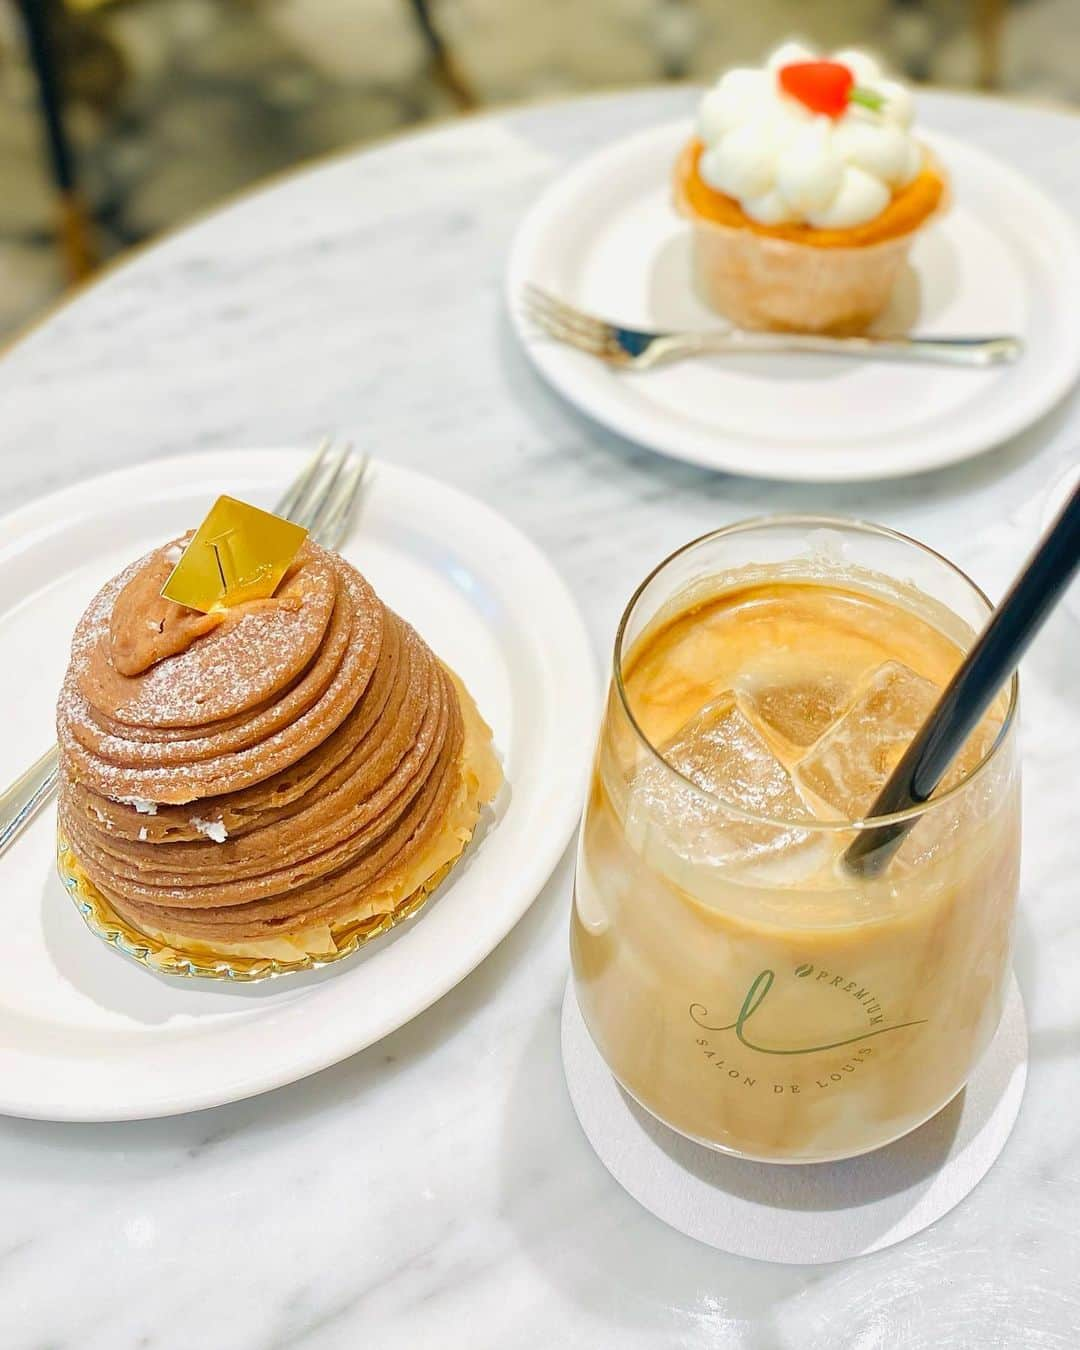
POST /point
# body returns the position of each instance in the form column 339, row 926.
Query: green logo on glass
column 759, row 991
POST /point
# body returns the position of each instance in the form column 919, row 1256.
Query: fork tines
column 324, row 495
column 565, row 323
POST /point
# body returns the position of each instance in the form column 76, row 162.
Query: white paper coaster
column 799, row 1214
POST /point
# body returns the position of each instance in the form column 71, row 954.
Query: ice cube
column 790, row 704
column 721, row 751
column 681, row 829
column 848, row 766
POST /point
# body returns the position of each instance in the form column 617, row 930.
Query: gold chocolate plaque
column 238, row 553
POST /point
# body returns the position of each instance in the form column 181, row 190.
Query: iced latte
column 739, row 980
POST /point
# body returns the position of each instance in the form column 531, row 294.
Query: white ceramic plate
column 1005, row 259
column 86, row 1034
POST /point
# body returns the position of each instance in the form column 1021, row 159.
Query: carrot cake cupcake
column 253, row 781
column 805, row 187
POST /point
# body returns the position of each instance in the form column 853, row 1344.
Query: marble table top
column 436, row 1190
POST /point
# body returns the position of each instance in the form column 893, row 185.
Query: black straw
column 989, row 663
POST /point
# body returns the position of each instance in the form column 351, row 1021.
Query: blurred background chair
column 74, row 230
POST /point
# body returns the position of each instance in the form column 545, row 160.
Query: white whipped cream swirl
column 785, row 164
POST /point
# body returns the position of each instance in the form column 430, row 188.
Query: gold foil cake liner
column 165, row 959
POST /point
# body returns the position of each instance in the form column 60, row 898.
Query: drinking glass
column 794, row 1011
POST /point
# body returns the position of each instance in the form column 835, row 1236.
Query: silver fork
column 640, row 349
column 322, row 498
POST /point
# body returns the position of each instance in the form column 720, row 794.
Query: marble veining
column 435, row 1190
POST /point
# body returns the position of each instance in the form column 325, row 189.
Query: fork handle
column 953, row 351
column 25, row 797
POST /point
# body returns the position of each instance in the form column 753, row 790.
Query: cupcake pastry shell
column 761, row 282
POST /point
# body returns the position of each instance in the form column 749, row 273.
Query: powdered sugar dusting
column 115, row 764
column 228, row 670
column 251, row 656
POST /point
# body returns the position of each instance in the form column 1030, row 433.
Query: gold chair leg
column 989, row 34
column 449, row 75
column 76, row 237
column 74, row 234
column 446, row 68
